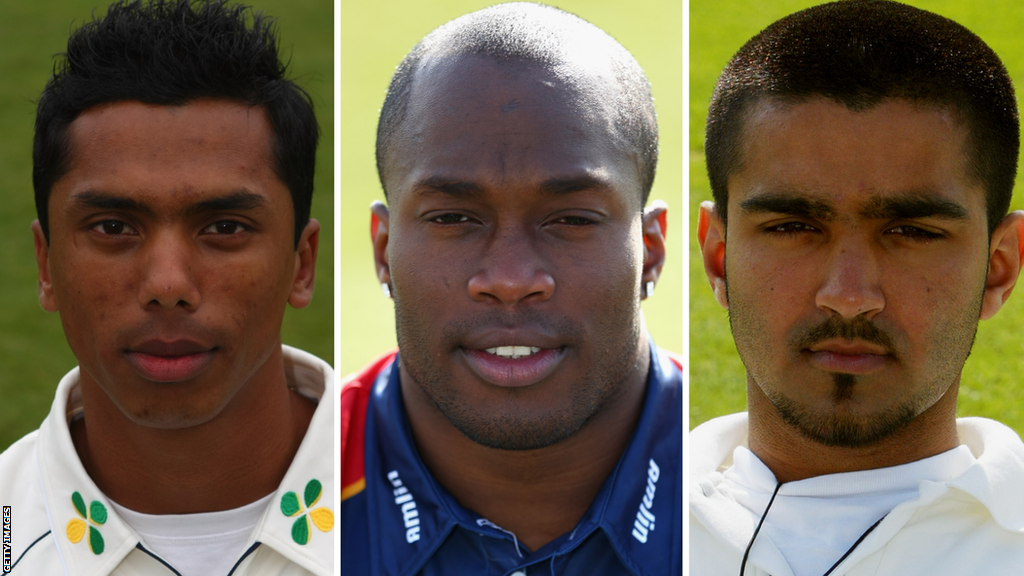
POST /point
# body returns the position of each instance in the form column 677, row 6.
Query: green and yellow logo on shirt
column 95, row 515
column 322, row 517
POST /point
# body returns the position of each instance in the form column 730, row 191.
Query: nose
column 512, row 271
column 851, row 286
column 168, row 270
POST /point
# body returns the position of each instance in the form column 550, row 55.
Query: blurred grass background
column 991, row 385
column 376, row 36
column 33, row 352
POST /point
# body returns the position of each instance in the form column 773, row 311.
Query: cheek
column 937, row 301
column 775, row 287
column 606, row 276
column 242, row 294
column 419, row 275
column 91, row 295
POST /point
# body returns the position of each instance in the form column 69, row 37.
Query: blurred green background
column 991, row 383
column 375, row 36
column 34, row 355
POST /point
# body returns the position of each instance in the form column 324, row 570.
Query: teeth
column 513, row 352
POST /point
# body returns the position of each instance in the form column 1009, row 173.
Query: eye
column 450, row 219
column 225, row 227
column 787, row 228
column 113, row 228
column 575, row 221
column 914, row 233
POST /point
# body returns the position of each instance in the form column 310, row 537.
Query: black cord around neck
column 746, row 553
column 855, row 544
column 743, row 563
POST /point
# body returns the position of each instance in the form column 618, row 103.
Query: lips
column 848, row 356
column 511, row 370
column 170, row 361
column 512, row 357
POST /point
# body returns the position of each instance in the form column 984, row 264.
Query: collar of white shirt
column 297, row 524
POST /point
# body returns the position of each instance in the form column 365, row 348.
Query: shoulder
column 308, row 374
column 356, row 389
column 999, row 453
column 361, row 381
column 712, row 443
column 672, row 358
column 982, row 433
column 24, row 507
column 355, row 396
column 947, row 533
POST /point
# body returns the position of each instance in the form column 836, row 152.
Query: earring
column 649, row 289
column 387, row 289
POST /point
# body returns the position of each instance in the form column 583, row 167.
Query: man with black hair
column 173, row 174
column 528, row 424
column 861, row 156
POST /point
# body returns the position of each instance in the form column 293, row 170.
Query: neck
column 539, row 494
column 792, row 456
column 237, row 457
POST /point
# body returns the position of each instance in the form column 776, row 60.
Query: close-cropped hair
column 524, row 33
column 859, row 53
column 172, row 52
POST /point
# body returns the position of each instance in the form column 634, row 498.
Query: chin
column 514, row 432
column 171, row 417
column 842, row 429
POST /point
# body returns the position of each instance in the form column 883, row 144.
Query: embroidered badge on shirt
column 322, row 517
column 96, row 514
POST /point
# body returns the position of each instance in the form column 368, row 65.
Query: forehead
column 144, row 150
column 841, row 156
column 508, row 124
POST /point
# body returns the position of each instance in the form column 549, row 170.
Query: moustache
column 566, row 329
column 859, row 328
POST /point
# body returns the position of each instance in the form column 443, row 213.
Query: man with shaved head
column 528, row 423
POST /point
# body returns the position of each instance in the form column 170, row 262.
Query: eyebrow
column 563, row 186
column 911, row 207
column 550, row 187
column 93, row 199
column 907, row 207
column 238, row 200
column 448, row 187
column 792, row 205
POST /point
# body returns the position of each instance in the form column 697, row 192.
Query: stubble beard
column 840, row 426
column 509, row 425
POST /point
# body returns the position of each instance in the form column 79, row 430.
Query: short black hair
column 532, row 33
column 859, row 53
column 171, row 52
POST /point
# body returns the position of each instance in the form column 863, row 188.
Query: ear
column 711, row 237
column 1006, row 251
column 379, row 236
column 46, row 298
column 305, row 265
column 654, row 222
